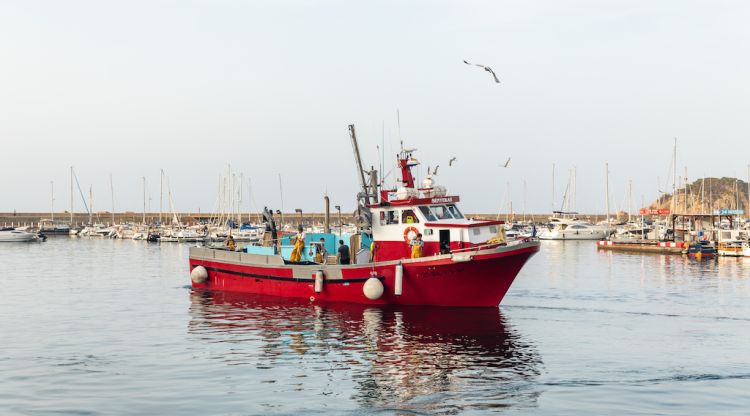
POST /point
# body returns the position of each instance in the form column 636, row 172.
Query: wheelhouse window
column 391, row 217
column 441, row 212
column 455, row 212
column 408, row 217
column 428, row 214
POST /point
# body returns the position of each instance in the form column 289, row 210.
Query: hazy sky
column 130, row 87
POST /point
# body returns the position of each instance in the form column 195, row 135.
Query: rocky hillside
column 718, row 193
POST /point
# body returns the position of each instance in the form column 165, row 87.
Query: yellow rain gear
column 299, row 245
column 416, row 248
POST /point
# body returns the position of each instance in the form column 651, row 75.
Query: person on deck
column 416, row 246
column 231, row 245
column 343, row 254
column 321, row 254
column 299, row 245
column 373, row 250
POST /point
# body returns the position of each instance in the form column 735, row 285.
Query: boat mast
column 643, row 227
column 509, row 215
column 630, row 199
column 112, row 194
column 161, row 194
column 239, row 198
column 737, row 198
column 575, row 186
column 674, row 177
column 606, row 190
column 281, row 193
column 144, row 200
column 52, row 197
column 71, row 196
column 568, row 192
column 553, row 189
column 686, row 186
column 736, row 193
column 91, row 203
column 358, row 162
column 524, row 200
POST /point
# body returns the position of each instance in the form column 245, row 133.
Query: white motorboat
column 8, row 235
column 185, row 235
column 573, row 229
column 633, row 230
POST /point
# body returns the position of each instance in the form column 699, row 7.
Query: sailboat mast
column 52, row 197
column 553, row 188
column 606, row 189
column 686, row 186
column 630, row 199
column 71, row 196
column 249, row 198
column 161, row 194
column 112, row 195
column 91, row 203
column 239, row 198
column 737, row 193
column 144, row 200
column 575, row 185
column 524, row 200
column 674, row 177
column 281, row 193
column 509, row 215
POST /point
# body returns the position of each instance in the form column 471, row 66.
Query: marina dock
column 642, row 246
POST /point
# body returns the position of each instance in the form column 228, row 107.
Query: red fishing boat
column 463, row 262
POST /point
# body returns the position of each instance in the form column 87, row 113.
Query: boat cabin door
column 445, row 241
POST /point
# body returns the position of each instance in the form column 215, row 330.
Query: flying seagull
column 507, row 163
column 486, row 68
column 450, row 162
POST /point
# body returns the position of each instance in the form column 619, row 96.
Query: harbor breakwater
column 33, row 218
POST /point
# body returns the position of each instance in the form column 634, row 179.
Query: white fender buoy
column 398, row 287
column 199, row 274
column 373, row 288
column 318, row 281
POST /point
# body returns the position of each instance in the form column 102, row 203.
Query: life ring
column 407, row 230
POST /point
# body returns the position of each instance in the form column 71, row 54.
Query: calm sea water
column 112, row 327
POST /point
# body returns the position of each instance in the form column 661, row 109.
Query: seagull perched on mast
column 486, row 68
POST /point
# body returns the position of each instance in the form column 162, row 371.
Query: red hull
column 481, row 281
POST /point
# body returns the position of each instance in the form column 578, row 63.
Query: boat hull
column 478, row 278
column 17, row 237
column 55, row 231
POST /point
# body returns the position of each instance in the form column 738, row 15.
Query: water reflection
column 425, row 359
